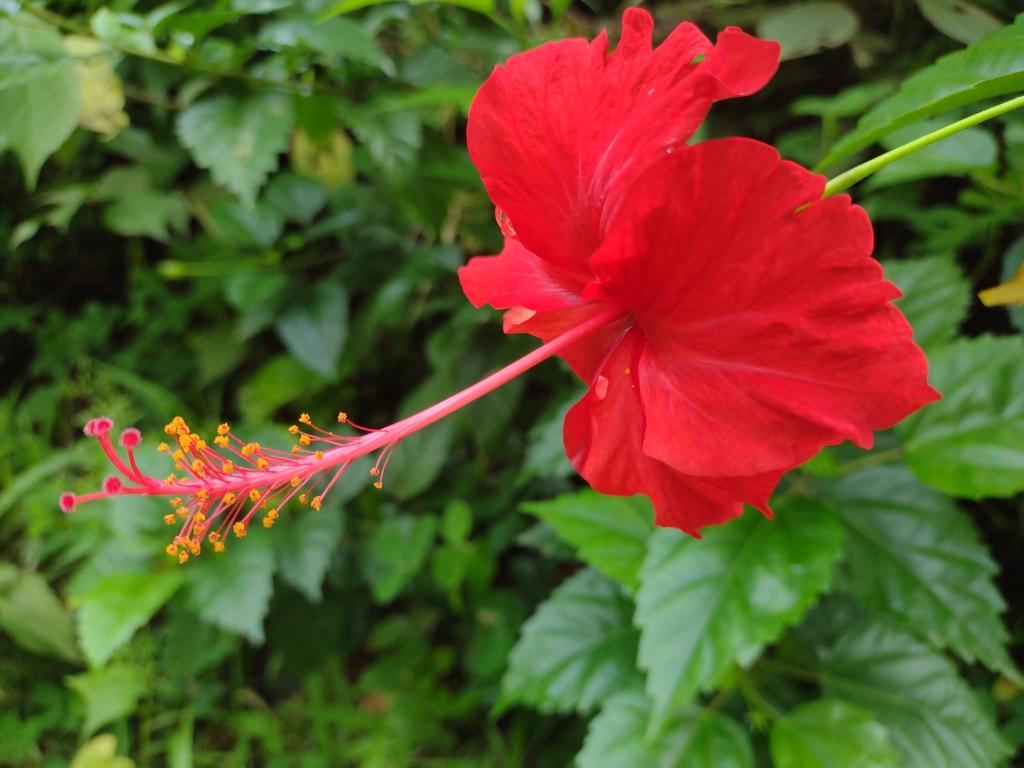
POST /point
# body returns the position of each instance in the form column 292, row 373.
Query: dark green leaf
column 33, row 615
column 936, row 297
column 239, row 140
column 244, row 226
column 109, row 694
column 117, row 606
column 830, row 733
column 314, row 332
column 304, row 546
column 970, row 150
column 334, row 37
column 968, row 444
column 150, row 214
column 934, row 718
column 805, row 28
column 704, row 605
column 610, row 532
column 297, row 198
column 396, row 553
column 990, row 67
column 576, row 651
column 693, row 738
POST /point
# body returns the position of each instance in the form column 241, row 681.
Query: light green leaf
column 305, row 545
column 314, row 332
column 347, row 6
column 693, row 738
column 961, row 20
column 333, row 37
column 117, row 606
column 933, row 717
column 244, row 226
column 279, row 381
column 990, row 67
column 850, row 102
column 397, row 551
column 149, row 214
column 297, row 198
column 39, row 106
column 969, row 443
column 936, row 296
column 576, row 651
column 829, row 733
column 33, row 615
column 805, row 28
column 457, row 521
column 239, row 140
column 610, row 532
column 232, row 589
column 100, row 752
column 970, row 150
column 911, row 552
column 705, row 605
column 109, row 694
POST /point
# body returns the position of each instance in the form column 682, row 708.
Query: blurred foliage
column 243, row 209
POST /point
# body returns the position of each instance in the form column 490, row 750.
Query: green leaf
column 457, row 521
column 232, row 589
column 314, row 332
column 829, row 733
column 397, row 551
column 333, row 37
column 933, row 716
column 239, row 140
column 279, row 381
column 117, row 606
column 347, row 6
column 806, row 28
column 33, row 615
column 109, row 694
column 705, row 605
column 39, row 102
column 1013, row 260
column 545, row 456
column 419, row 458
column 305, row 545
column 149, row 214
column 990, row 67
column 968, row 444
column 912, row 553
column 610, row 532
column 244, row 226
column 936, row 296
column 577, row 650
column 100, row 752
column 970, row 150
column 959, row 19
column 297, row 198
column 693, row 738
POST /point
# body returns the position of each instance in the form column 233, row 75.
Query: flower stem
column 852, row 176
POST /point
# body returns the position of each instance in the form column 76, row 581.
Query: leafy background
column 246, row 208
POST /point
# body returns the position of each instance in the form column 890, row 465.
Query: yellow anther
column 223, row 429
column 378, row 485
column 163, row 448
column 202, row 494
column 304, row 439
column 304, row 418
column 182, row 557
column 262, row 463
column 229, row 498
column 295, row 449
column 198, row 465
column 183, row 512
column 302, row 498
column 254, row 494
column 250, row 448
column 342, row 417
column 185, row 441
column 183, row 430
column 171, row 480
column 178, row 456
column 169, row 519
column 194, row 546
column 199, row 517
column 627, row 371
column 169, row 429
column 315, row 503
column 177, row 421
column 171, row 549
column 296, row 482
column 294, row 429
column 268, row 522
column 228, row 468
column 200, row 445
column 218, row 546
column 319, row 455
column 239, row 529
column 178, row 465
column 374, row 471
column 176, row 501
column 272, row 514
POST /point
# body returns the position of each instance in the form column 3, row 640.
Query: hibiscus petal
column 517, row 278
column 557, row 130
column 768, row 332
column 603, row 435
column 742, row 64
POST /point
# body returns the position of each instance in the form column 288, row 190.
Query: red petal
column 603, row 434
column 558, row 130
column 517, row 278
column 769, row 332
column 742, row 64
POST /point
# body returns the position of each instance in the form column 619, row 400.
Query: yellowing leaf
column 100, row 752
column 1010, row 292
column 101, row 89
column 330, row 162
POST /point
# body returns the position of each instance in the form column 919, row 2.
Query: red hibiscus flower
column 757, row 327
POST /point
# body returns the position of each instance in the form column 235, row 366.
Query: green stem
column 852, row 176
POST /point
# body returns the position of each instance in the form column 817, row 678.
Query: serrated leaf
column 333, row 37
column 109, row 694
column 936, row 296
column 693, row 738
column 578, row 649
column 704, row 605
column 297, row 198
column 396, row 552
column 232, row 589
column 244, row 226
column 314, row 332
column 933, row 716
column 991, row 67
column 40, row 101
column 912, row 553
column 151, row 214
column 304, row 547
column 829, row 733
column 609, row 532
column 237, row 139
column 117, row 606
column 968, row 444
